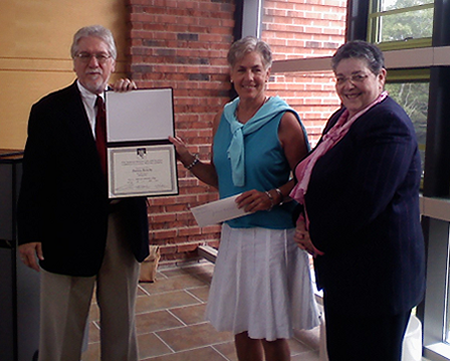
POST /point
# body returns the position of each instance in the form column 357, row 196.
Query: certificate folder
column 141, row 159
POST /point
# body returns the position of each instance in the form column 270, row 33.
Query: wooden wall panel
column 35, row 38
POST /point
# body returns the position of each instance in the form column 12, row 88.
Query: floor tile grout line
column 174, row 328
column 220, row 353
column 176, row 317
column 164, row 308
column 191, row 294
column 161, row 274
column 172, row 291
column 197, row 275
column 185, row 269
column 212, row 345
column 177, row 275
column 143, row 290
column 170, row 311
column 164, row 342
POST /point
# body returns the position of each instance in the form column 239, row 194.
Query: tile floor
column 171, row 326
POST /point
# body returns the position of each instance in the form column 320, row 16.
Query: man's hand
column 29, row 252
column 123, row 85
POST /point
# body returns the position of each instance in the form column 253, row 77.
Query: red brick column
column 183, row 45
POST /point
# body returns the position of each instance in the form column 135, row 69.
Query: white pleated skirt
column 261, row 284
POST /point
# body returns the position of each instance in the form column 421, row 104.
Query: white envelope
column 218, row 211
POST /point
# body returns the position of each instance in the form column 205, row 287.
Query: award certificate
column 142, row 171
column 141, row 160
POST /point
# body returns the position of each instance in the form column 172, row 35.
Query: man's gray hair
column 98, row 31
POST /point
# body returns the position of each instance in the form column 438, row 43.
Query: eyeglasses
column 86, row 57
column 354, row 79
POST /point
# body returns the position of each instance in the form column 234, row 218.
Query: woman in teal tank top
column 261, row 288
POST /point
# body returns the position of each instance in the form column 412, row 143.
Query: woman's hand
column 123, row 85
column 204, row 171
column 254, row 200
column 303, row 239
column 183, row 154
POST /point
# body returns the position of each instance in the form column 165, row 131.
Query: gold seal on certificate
column 141, row 160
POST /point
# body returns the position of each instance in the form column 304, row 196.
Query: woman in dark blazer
column 361, row 219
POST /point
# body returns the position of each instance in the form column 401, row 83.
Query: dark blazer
column 63, row 199
column 363, row 206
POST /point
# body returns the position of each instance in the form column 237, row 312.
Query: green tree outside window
column 401, row 23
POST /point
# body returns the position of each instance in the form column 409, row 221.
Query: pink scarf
column 337, row 132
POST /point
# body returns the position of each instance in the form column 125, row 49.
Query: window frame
column 373, row 26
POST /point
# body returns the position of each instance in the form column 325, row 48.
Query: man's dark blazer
column 363, row 206
column 63, row 199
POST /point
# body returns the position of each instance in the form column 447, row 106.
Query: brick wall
column 183, row 45
column 299, row 29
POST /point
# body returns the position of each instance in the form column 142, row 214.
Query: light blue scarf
column 236, row 151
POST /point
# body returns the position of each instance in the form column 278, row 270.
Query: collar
column 88, row 96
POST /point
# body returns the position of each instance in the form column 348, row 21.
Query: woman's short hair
column 247, row 45
column 98, row 31
column 361, row 50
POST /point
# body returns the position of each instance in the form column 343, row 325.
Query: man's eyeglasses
column 354, row 79
column 86, row 57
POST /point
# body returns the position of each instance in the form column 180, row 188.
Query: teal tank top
column 266, row 167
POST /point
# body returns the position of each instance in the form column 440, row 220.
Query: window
column 401, row 23
column 412, row 95
column 436, row 326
